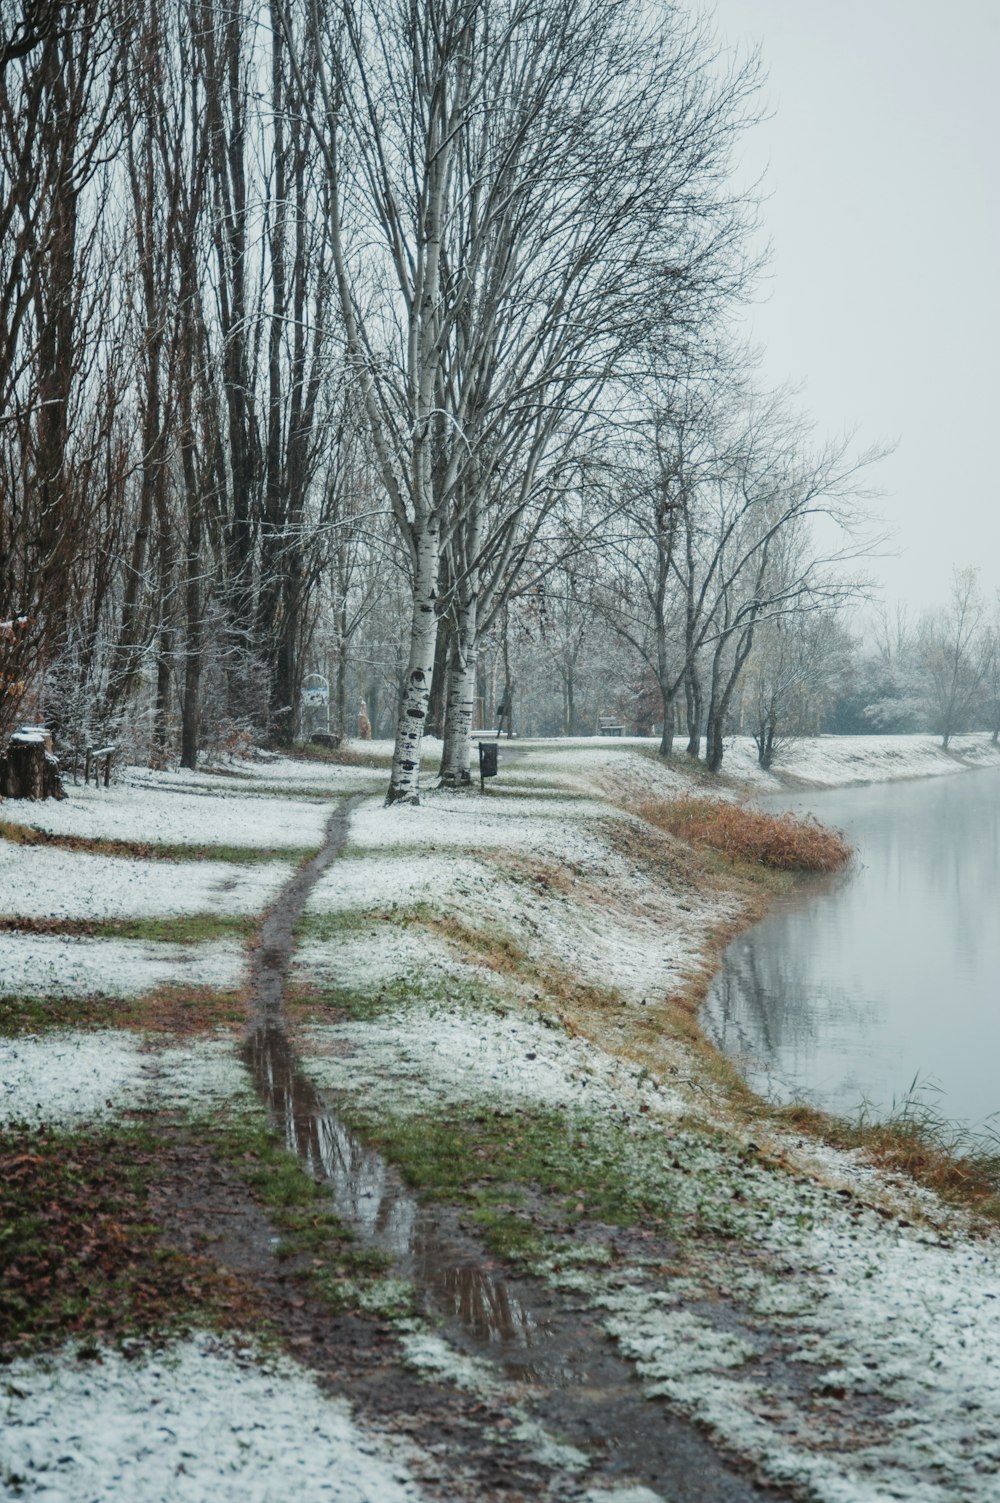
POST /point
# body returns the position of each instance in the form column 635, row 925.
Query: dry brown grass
column 19, row 834
column 181, row 1011
column 780, row 842
column 914, row 1142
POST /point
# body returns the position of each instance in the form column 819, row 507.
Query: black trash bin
column 487, row 762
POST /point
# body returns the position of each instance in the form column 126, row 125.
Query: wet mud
column 551, row 1355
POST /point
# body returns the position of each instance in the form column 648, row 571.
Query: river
column 856, row 986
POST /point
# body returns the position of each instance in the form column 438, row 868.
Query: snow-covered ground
column 62, row 965
column 583, row 762
column 182, row 815
column 191, row 1423
column 69, row 1077
column 41, row 882
column 837, row 761
column 447, row 1055
column 841, row 1350
column 865, row 1361
column 264, row 773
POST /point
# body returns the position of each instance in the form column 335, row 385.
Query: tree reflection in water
column 371, row 1198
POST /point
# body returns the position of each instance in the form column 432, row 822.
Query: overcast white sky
column 884, row 216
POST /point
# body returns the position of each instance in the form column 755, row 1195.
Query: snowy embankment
column 803, row 1338
column 840, row 1332
column 838, row 761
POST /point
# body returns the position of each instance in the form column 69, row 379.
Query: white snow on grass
column 381, row 955
column 67, row 1077
column 236, row 776
column 837, row 761
column 387, row 881
column 47, row 882
column 892, row 1330
column 445, row 820
column 622, row 1495
column 192, row 1423
column 629, row 765
column 600, row 918
column 444, row 1055
column 189, row 816
column 57, row 965
column 429, row 1354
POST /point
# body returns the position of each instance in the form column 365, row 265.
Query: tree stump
column 28, row 769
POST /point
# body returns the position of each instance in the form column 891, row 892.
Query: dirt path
column 552, row 1365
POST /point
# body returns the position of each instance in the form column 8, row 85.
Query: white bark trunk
column 461, row 701
column 404, row 784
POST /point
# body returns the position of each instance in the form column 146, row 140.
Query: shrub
column 782, row 842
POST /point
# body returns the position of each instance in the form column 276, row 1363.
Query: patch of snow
column 378, row 956
column 447, row 820
column 74, row 1077
column 47, row 882
column 236, row 776
column 438, row 1056
column 602, row 919
column 190, row 1423
column 362, row 883
column 897, row 1328
column 58, row 965
column 433, row 1357
column 621, row 1495
column 548, row 1451
column 189, row 816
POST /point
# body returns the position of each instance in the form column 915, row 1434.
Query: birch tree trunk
column 461, row 698
column 404, row 782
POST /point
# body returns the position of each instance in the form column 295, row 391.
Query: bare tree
column 59, row 401
column 516, row 193
column 714, row 537
column 795, row 661
column 953, row 653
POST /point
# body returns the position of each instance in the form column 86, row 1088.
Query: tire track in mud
column 553, row 1358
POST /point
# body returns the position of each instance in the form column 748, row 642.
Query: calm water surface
column 858, row 984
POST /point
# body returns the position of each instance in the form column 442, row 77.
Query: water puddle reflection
column 369, row 1196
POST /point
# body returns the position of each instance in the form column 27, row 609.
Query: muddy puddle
column 566, row 1370
column 369, row 1196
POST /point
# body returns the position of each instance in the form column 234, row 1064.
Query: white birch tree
column 519, row 195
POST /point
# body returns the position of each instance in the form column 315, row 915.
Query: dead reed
column 781, row 842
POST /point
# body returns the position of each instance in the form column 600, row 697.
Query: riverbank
column 493, row 997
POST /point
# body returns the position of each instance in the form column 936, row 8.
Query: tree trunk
column 692, row 693
column 508, row 682
column 29, row 770
column 461, row 699
column 191, row 709
column 437, row 707
column 667, row 736
column 569, row 702
column 404, row 782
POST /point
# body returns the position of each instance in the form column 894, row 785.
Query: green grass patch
column 328, row 928
column 180, row 929
column 335, row 1266
column 525, row 1177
